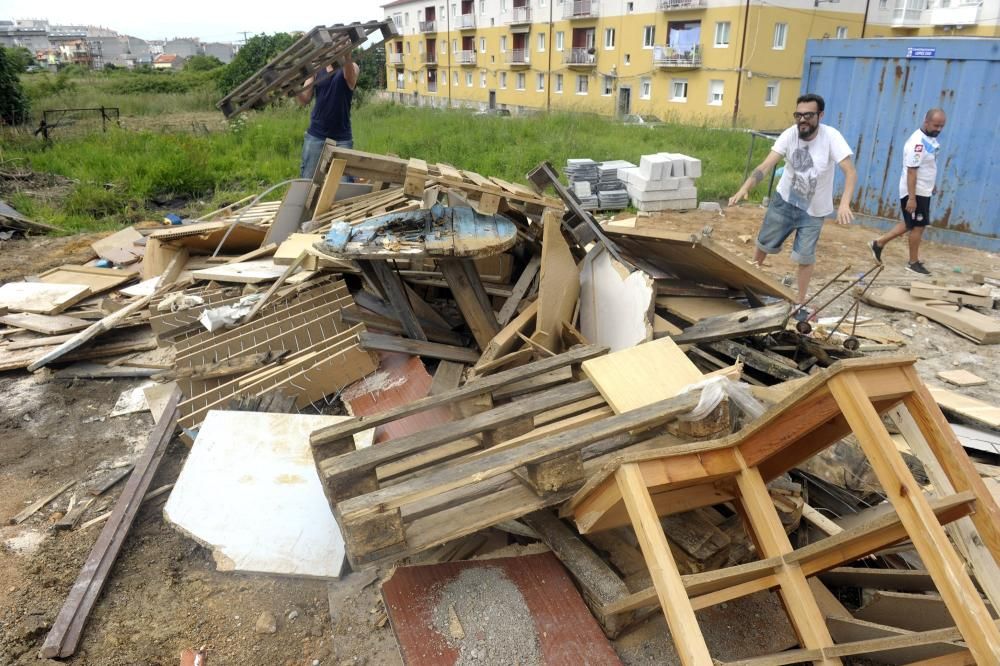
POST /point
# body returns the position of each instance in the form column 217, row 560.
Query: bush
column 202, row 63
column 251, row 57
column 21, row 57
column 15, row 109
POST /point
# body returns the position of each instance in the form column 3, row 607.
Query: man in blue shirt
column 333, row 89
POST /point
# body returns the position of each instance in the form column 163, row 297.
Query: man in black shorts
column 916, row 185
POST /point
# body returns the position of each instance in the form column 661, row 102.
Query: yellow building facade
column 712, row 61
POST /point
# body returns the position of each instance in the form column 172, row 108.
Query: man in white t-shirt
column 916, row 185
column 804, row 195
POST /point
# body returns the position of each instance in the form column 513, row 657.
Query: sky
column 208, row 20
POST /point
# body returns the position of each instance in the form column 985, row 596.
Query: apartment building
column 694, row 60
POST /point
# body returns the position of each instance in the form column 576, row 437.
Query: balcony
column 671, row 5
column 908, row 14
column 581, row 9
column 466, row 58
column 520, row 16
column 668, row 57
column 428, row 26
column 518, row 58
column 429, row 59
column 465, row 22
column 396, row 59
column 964, row 14
column 580, row 58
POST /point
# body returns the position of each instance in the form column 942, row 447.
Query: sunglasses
column 808, row 115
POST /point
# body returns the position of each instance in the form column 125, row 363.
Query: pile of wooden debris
column 506, row 362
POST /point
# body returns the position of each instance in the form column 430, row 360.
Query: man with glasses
column 916, row 185
column 804, row 195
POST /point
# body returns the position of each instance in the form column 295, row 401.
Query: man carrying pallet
column 804, row 195
column 333, row 88
column 916, row 185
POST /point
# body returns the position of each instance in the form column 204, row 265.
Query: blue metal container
column 877, row 91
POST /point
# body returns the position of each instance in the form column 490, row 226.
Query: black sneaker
column 918, row 268
column 876, row 250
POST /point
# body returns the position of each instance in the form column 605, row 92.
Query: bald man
column 916, row 185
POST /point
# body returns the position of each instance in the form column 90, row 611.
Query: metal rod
column 876, row 267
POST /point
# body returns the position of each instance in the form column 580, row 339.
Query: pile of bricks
column 663, row 181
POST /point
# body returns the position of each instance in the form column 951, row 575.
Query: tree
column 202, row 63
column 14, row 105
column 21, row 57
column 253, row 55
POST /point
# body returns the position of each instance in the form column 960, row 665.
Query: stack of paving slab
column 583, row 178
column 663, row 181
column 611, row 192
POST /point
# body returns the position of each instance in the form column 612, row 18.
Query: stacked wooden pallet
column 286, row 72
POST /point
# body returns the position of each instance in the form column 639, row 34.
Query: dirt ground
column 164, row 594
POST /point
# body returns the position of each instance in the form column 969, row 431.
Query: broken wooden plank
column 64, row 636
column 979, row 328
column 558, row 284
column 102, row 326
column 376, row 341
column 46, row 324
column 738, row 324
column 958, row 377
column 519, row 289
column 966, row 407
column 41, row 298
column 30, row 510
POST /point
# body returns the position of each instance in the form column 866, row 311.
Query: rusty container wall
column 877, row 91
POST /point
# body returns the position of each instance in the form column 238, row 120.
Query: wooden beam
column 926, row 533
column 64, row 636
column 738, row 324
column 382, row 342
column 519, row 289
column 473, row 302
column 392, row 286
column 684, row 629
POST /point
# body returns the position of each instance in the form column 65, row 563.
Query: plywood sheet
column 616, row 305
column 41, row 297
column 546, row 620
column 249, row 491
column 558, row 285
column 96, row 279
column 978, row 327
column 957, row 377
column 247, row 272
column 694, row 257
column 642, row 375
column 47, row 324
column 120, row 247
column 977, row 410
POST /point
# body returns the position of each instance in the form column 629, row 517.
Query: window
column 645, row 88
column 398, row 20
column 503, row 80
column 629, row 7
column 628, row 58
column 559, row 40
column 407, row 47
column 420, row 47
column 609, row 84
column 482, row 78
column 771, row 94
column 715, row 88
column 841, row 32
column 883, row 4
column 444, row 46
column 541, row 41
column 722, row 34
column 400, row 80
column 454, row 46
column 468, row 79
column 648, row 36
column 679, row 90
column 482, row 45
column 503, row 6
column 780, row 36
column 609, row 38
column 456, row 78
column 582, row 81
column 482, row 7
column 406, row 18
column 559, row 83
column 541, row 83
column 520, row 80
column 503, row 43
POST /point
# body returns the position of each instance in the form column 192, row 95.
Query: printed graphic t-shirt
column 807, row 182
column 920, row 151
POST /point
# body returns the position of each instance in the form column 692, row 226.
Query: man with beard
column 804, row 195
column 916, row 185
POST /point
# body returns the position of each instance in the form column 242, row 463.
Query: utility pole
column 244, row 33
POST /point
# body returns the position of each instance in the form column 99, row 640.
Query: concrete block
column 710, row 206
column 626, row 175
column 692, row 167
column 663, row 195
column 677, row 204
column 640, row 184
column 581, row 188
column 654, row 167
column 685, row 182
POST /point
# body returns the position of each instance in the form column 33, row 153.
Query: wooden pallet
column 285, row 74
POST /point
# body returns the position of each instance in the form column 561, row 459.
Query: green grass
column 119, row 175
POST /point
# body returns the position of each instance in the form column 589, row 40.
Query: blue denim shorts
column 312, row 148
column 780, row 220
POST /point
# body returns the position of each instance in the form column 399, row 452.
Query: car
column 31, row 69
column 493, row 112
